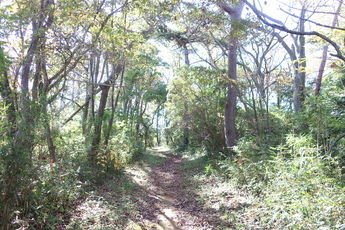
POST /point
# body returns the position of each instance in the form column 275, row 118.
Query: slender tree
column 325, row 51
column 230, row 107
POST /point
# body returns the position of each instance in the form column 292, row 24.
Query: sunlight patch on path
column 178, row 206
column 161, row 191
column 166, row 220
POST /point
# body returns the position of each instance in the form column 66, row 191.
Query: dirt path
column 162, row 191
column 176, row 204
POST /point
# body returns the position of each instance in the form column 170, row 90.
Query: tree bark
column 300, row 72
column 114, row 104
column 97, row 133
column 321, row 70
column 230, row 107
column 186, row 118
column 96, row 137
column 324, row 53
column 50, row 142
column 8, row 96
column 231, row 99
column 298, row 58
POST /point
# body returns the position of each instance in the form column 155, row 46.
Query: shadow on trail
column 158, row 193
column 177, row 204
column 120, row 202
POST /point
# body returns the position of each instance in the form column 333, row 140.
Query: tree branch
column 234, row 12
column 334, row 143
column 262, row 17
column 315, row 23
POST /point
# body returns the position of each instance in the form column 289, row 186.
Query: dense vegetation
column 87, row 87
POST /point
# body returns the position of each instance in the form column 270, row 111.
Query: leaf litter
column 159, row 192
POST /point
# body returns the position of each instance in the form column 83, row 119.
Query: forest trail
column 177, row 206
column 162, row 191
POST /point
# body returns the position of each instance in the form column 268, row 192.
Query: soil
column 176, row 204
column 164, row 191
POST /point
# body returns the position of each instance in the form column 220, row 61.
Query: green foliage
column 296, row 188
column 265, row 129
column 125, row 144
column 323, row 116
column 301, row 146
column 4, row 59
column 302, row 195
column 45, row 191
column 157, row 92
column 196, row 101
column 249, row 170
column 57, row 187
column 285, row 159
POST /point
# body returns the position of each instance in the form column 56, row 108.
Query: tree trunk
column 230, row 106
column 115, row 101
column 186, row 118
column 8, row 96
column 96, row 137
column 300, row 72
column 97, row 133
column 231, row 99
column 324, row 53
column 321, row 70
column 157, row 127
column 50, row 142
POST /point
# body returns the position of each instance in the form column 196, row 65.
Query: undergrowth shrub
column 125, row 144
column 54, row 188
column 247, row 176
column 249, row 169
column 296, row 187
column 301, row 195
column 110, row 161
column 57, row 188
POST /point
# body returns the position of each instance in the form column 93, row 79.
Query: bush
column 57, row 187
column 297, row 188
column 300, row 194
column 125, row 145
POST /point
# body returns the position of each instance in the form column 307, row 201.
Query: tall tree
column 260, row 61
column 297, row 51
column 300, row 67
column 230, row 107
column 325, row 51
column 19, row 162
column 42, row 58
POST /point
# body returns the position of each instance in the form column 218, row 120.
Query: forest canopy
column 86, row 87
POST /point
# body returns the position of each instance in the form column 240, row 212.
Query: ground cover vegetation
column 251, row 101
